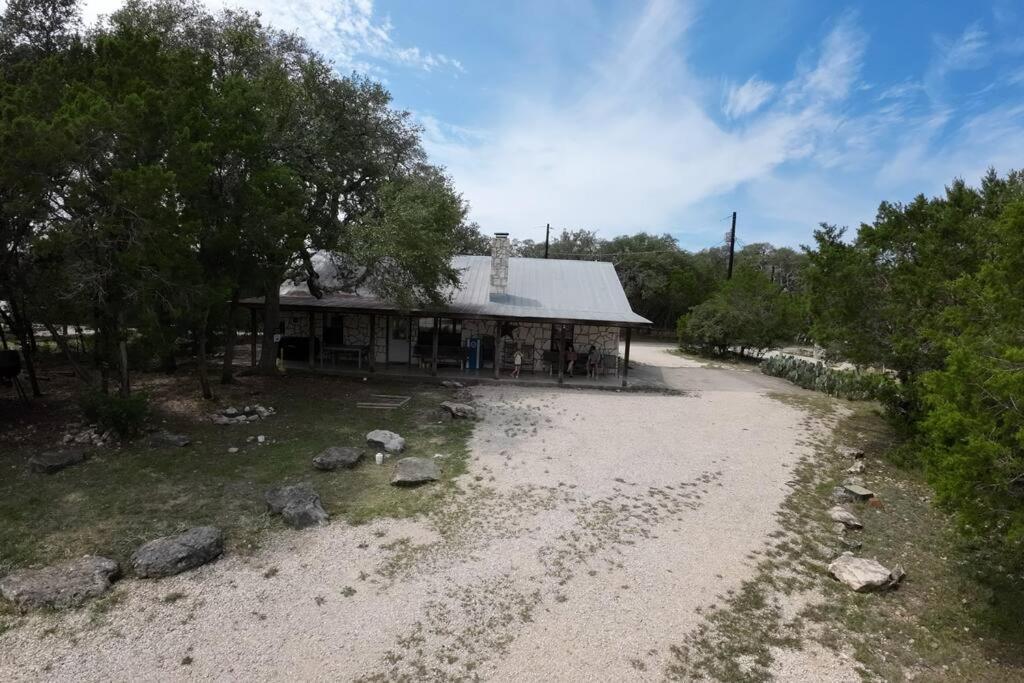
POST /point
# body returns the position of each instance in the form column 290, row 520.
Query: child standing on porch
column 517, row 361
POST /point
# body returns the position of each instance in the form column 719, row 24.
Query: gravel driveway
column 591, row 528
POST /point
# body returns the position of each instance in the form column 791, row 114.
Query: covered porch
column 345, row 341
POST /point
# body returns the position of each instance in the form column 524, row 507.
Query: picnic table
column 344, row 351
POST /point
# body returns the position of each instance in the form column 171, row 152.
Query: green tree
column 749, row 312
column 973, row 429
column 36, row 37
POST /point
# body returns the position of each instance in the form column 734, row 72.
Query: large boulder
column 337, row 456
column 49, row 462
column 459, row 410
column 298, row 504
column 166, row 438
column 64, row 585
column 389, row 441
column 174, row 554
column 845, row 517
column 411, row 471
column 862, row 574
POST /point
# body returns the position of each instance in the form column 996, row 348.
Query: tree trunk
column 271, row 316
column 30, row 368
column 62, row 343
column 101, row 348
column 125, row 388
column 227, row 371
column 204, row 376
column 81, row 339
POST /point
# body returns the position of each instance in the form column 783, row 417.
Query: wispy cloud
column 350, row 32
column 965, row 52
column 839, row 61
column 741, row 100
column 637, row 149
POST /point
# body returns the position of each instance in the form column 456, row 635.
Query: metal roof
column 538, row 290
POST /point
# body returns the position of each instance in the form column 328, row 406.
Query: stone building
column 502, row 303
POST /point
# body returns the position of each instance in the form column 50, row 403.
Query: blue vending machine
column 473, row 357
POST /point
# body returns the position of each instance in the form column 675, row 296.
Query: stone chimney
column 499, row 263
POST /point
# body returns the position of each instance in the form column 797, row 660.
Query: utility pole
column 547, row 240
column 732, row 244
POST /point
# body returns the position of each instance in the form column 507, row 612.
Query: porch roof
column 539, row 290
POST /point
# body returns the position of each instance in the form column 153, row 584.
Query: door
column 398, row 340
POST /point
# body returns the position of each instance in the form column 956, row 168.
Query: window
column 447, row 326
column 449, row 332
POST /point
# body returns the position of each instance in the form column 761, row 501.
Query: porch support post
column 561, row 353
column 372, row 356
column 499, row 349
column 252, row 340
column 433, row 360
column 625, row 364
column 312, row 341
column 387, row 341
column 411, row 341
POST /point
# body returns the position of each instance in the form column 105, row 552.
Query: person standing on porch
column 593, row 361
column 517, row 362
column 570, row 359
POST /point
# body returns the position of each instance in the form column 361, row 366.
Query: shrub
column 749, row 312
column 123, row 414
column 855, row 386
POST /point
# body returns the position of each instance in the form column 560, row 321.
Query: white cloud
column 968, row 51
column 839, row 61
column 636, row 147
column 741, row 100
column 348, row 31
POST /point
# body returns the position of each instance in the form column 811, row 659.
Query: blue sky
column 667, row 115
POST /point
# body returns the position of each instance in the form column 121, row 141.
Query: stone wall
column 297, row 324
column 604, row 337
column 538, row 335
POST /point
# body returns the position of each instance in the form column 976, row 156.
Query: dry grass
column 941, row 624
column 122, row 497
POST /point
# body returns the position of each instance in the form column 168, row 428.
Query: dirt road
column 590, row 531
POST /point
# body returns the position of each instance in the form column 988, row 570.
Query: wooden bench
column 358, row 351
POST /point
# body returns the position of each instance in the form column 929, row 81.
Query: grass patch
column 123, row 497
column 942, row 622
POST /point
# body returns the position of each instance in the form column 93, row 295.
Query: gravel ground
column 590, row 529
